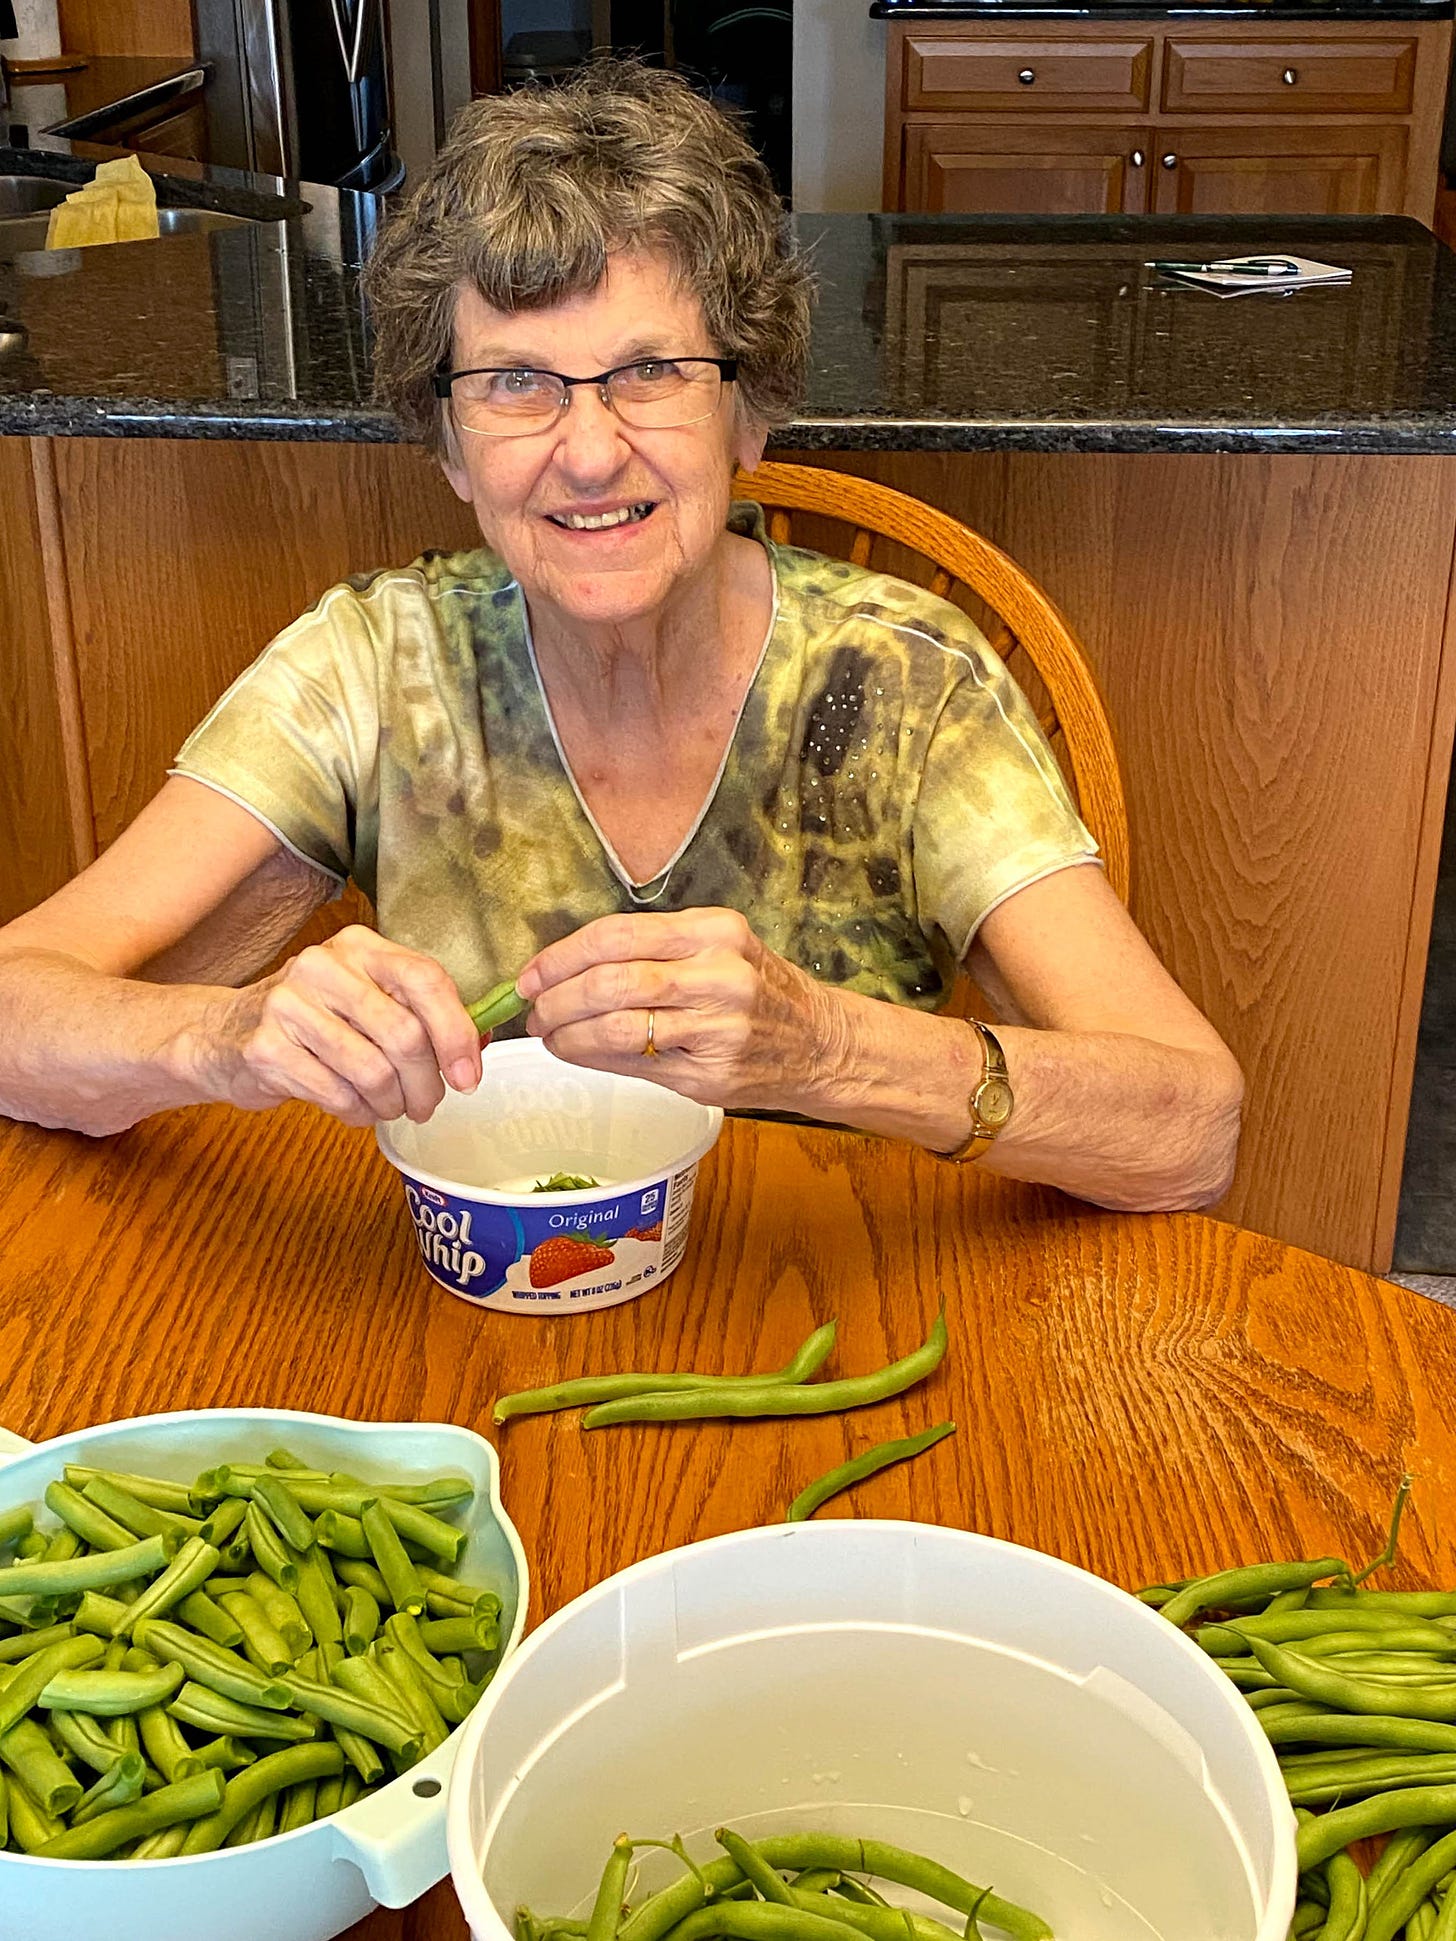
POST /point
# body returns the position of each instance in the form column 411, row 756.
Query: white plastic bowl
column 1017, row 1719
column 468, row 1175
column 312, row 1883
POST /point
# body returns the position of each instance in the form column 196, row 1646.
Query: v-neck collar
column 644, row 891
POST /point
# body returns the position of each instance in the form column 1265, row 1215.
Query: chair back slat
column 1068, row 705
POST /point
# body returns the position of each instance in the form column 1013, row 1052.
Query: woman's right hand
column 360, row 1026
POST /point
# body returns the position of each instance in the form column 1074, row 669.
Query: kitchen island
column 1246, row 509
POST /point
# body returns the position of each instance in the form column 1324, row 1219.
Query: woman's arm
column 1124, row 1093
column 116, row 995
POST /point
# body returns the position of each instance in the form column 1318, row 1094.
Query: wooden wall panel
column 41, row 840
column 186, row 557
column 127, row 27
column 1268, row 635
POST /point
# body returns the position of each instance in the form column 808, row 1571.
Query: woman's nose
column 590, row 440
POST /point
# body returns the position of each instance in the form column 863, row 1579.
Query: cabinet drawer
column 1371, row 76
column 1026, row 74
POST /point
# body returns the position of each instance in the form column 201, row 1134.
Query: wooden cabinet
column 1318, row 171
column 954, row 169
column 1258, row 117
column 182, row 134
column 1027, row 75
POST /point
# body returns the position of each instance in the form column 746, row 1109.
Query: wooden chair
column 1024, row 627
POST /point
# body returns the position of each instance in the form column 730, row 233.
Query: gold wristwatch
column 991, row 1102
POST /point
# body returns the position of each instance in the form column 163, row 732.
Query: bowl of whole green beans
column 236, row 1650
column 852, row 1717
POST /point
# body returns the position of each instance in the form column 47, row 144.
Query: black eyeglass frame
column 726, row 367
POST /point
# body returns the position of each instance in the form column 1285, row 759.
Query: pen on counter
column 1233, row 266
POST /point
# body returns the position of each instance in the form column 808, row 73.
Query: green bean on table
column 584, row 1390
column 870, row 1463
column 750, row 1399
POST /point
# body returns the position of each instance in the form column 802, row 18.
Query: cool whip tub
column 470, row 1174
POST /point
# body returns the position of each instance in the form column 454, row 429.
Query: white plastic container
column 301, row 1886
column 469, row 1174
column 1024, row 1723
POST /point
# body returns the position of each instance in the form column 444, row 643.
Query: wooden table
column 1143, row 1395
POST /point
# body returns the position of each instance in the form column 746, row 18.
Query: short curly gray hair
column 535, row 189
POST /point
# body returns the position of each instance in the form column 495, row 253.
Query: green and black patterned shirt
column 886, row 786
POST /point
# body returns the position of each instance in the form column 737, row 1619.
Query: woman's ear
column 749, row 438
column 452, row 460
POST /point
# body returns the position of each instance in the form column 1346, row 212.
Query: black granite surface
column 1191, row 9
column 932, row 333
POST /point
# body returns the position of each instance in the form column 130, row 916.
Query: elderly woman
column 730, row 813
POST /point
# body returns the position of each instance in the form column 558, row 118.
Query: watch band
column 990, row 1102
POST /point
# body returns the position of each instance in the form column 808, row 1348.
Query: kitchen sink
column 26, row 202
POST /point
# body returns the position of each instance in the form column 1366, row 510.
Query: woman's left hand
column 733, row 1023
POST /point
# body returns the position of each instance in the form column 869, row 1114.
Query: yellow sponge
column 118, row 206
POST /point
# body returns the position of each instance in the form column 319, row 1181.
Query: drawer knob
column 1027, row 76
column 1138, row 158
column 1289, row 76
column 1170, row 161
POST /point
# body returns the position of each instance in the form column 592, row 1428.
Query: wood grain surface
column 127, row 27
column 1145, row 1396
column 44, row 790
column 186, row 557
column 1255, row 645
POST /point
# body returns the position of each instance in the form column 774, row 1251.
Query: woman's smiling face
column 672, row 485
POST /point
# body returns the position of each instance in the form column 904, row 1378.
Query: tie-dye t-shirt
column 887, row 784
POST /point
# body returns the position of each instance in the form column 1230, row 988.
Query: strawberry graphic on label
column 646, row 1233
column 565, row 1255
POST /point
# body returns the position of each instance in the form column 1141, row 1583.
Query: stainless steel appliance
column 300, row 88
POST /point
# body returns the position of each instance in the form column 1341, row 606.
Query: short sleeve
column 295, row 739
column 993, row 812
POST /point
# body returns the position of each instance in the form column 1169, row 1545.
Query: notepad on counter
column 1226, row 277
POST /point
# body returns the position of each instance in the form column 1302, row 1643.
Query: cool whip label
column 549, row 1255
column 443, row 1236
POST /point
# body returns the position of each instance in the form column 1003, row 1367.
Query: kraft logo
column 434, row 1198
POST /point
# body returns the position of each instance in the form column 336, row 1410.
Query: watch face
column 993, row 1103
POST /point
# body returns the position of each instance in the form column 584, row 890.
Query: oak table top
column 1145, row 1395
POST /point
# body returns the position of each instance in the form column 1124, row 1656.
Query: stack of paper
column 1226, row 277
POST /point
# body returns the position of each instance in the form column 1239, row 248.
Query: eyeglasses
column 654, row 394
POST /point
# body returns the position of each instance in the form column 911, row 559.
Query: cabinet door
column 1295, row 171
column 965, row 169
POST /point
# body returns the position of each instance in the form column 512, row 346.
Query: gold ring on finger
column 649, row 1050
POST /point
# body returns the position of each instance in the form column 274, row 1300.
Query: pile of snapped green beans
column 787, row 1391
column 1356, row 1690
column 188, row 1667
column 789, row 1887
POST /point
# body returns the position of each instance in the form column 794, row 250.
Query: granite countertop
column 932, row 333
column 1172, row 10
